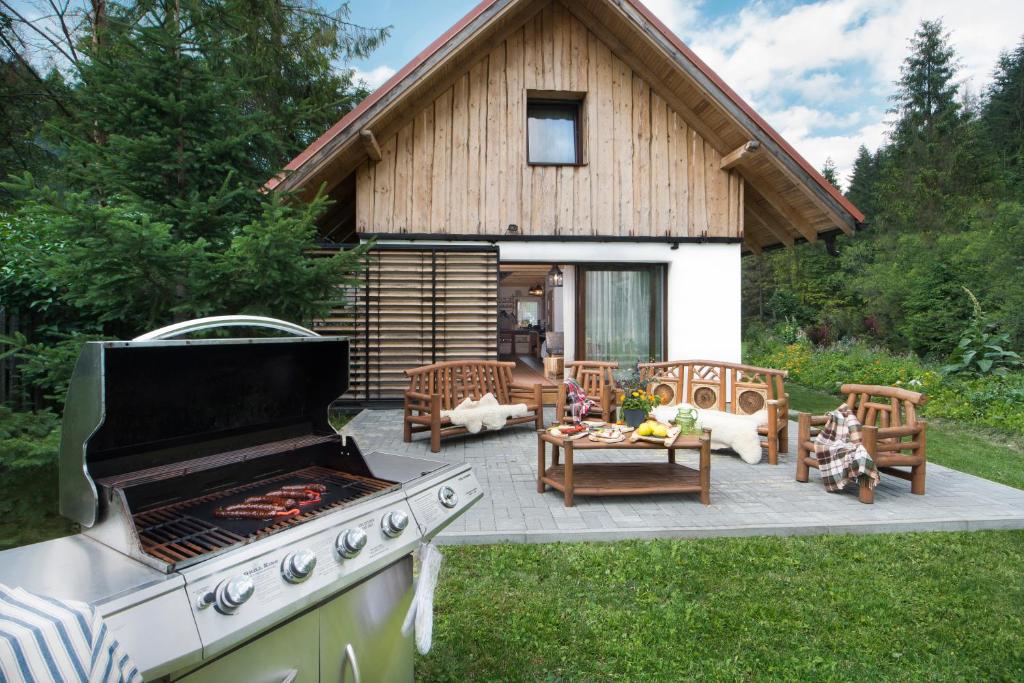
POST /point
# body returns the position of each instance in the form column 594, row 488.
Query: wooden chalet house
column 555, row 166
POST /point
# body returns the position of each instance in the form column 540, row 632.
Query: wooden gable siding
column 459, row 165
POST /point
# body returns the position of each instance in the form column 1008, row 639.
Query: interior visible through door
column 531, row 322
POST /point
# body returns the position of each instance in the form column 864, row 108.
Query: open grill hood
column 144, row 406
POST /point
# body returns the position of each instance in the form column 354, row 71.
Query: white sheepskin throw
column 486, row 413
column 735, row 432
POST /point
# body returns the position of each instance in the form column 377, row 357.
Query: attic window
column 553, row 132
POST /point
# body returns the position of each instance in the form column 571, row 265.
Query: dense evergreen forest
column 939, row 270
column 136, row 139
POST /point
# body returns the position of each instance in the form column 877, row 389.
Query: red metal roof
column 380, row 92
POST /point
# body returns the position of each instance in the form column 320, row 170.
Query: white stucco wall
column 703, row 287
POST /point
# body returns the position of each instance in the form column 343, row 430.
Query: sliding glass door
column 621, row 313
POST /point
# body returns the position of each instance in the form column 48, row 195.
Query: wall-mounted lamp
column 554, row 277
column 536, row 290
column 512, row 229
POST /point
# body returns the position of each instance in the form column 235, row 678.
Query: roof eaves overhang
column 789, row 160
column 345, row 133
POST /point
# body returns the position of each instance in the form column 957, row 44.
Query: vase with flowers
column 637, row 403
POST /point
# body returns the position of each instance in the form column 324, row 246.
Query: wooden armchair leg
column 917, row 472
column 606, row 407
column 435, row 423
column 538, row 397
column 407, row 426
column 802, row 470
column 773, row 435
column 783, row 423
column 866, row 494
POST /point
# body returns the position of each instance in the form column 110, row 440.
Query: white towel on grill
column 486, row 413
column 43, row 639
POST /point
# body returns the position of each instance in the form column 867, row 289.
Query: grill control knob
column 298, row 566
column 394, row 523
column 350, row 542
column 448, row 496
column 232, row 593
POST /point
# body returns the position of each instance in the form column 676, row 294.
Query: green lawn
column 979, row 452
column 913, row 607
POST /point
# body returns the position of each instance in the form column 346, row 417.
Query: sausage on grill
column 249, row 510
column 304, row 497
column 283, row 501
column 319, row 488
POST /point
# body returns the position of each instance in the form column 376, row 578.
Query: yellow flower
column 636, row 394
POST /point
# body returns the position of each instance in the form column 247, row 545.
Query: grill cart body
column 158, row 433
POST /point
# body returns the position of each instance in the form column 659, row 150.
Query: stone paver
column 745, row 499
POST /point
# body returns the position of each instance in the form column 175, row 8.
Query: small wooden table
column 623, row 479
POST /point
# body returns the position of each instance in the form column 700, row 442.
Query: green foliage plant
column 983, row 349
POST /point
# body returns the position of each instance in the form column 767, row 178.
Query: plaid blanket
column 841, row 456
column 577, row 399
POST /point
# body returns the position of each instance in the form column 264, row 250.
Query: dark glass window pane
column 552, row 131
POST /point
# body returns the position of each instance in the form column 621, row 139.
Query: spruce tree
column 1003, row 111
column 830, row 173
column 160, row 212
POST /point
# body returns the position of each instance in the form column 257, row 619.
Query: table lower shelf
column 625, row 479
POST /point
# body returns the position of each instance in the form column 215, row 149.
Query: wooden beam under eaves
column 740, row 155
column 779, row 232
column 370, row 144
column 750, row 243
column 775, row 200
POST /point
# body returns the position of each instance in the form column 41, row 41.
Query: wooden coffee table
column 623, row 479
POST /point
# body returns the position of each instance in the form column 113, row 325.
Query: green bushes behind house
column 991, row 401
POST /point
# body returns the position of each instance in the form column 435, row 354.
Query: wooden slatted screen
column 417, row 306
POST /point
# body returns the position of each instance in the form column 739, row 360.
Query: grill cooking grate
column 181, row 532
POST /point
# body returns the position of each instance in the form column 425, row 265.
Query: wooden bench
column 729, row 387
column 889, row 415
column 443, row 386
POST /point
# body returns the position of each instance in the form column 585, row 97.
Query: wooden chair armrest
column 523, row 386
column 805, row 421
column 899, row 432
column 417, row 396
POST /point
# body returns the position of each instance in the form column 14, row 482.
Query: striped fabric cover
column 43, row 639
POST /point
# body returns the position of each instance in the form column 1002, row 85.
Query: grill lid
column 135, row 405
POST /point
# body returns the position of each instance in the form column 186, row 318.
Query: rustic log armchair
column 892, row 434
column 597, row 380
column 443, row 386
column 732, row 387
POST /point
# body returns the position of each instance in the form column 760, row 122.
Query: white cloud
column 375, row 77
column 798, row 64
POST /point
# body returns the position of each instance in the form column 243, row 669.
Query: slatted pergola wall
column 417, row 306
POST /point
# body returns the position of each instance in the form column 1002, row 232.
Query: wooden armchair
column 889, row 416
column 443, row 386
column 597, row 381
column 732, row 387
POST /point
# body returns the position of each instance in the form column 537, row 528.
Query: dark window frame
column 576, row 106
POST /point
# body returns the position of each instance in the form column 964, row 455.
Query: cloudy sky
column 819, row 72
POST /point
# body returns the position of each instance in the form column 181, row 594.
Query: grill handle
column 350, row 656
column 217, row 321
column 290, row 676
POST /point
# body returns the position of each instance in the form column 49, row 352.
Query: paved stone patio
column 745, row 499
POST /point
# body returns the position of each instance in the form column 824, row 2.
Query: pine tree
column 160, row 212
column 1003, row 111
column 830, row 173
column 862, row 181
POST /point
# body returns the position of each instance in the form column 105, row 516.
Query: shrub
column 28, row 439
column 995, row 401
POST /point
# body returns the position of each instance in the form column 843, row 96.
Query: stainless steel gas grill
column 159, row 433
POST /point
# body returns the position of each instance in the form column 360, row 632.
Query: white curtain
column 618, row 311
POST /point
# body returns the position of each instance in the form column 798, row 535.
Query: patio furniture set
column 892, row 434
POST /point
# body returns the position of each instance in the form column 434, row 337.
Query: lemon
column 659, row 431
column 644, row 429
